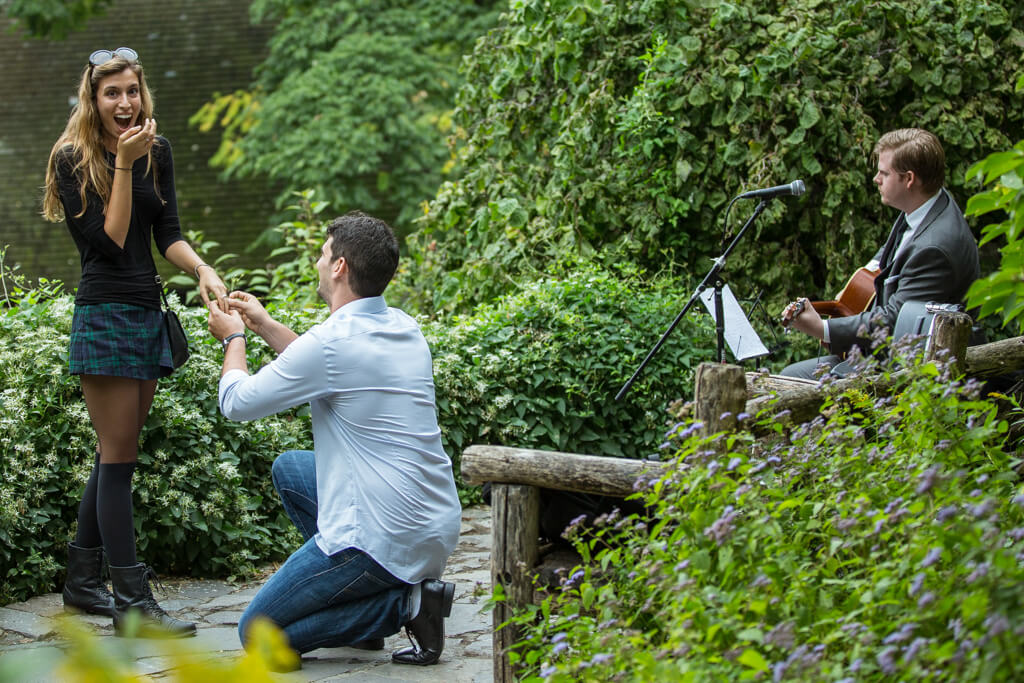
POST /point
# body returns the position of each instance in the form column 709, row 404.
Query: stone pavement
column 27, row 628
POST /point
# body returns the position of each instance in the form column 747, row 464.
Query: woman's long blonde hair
column 84, row 134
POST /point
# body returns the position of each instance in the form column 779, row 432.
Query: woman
column 112, row 179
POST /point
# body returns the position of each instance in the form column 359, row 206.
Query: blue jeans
column 320, row 600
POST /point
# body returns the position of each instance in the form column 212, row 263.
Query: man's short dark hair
column 369, row 247
column 917, row 150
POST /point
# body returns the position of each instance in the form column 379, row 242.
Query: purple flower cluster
column 928, row 480
column 984, row 508
column 721, row 529
column 607, row 518
column 887, row 660
column 573, row 580
column 979, row 570
column 932, row 557
column 683, row 430
column 902, row 635
column 798, row 662
column 783, row 636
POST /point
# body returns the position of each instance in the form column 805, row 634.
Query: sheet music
column 740, row 336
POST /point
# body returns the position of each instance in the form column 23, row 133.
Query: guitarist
column 930, row 254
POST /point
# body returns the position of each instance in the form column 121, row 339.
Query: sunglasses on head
column 103, row 56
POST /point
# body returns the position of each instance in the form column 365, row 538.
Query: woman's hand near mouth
column 135, row 142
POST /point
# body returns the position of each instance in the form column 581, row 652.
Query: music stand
column 731, row 324
column 713, row 275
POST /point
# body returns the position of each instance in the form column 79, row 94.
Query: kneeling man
column 375, row 500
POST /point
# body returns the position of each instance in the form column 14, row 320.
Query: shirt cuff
column 825, row 336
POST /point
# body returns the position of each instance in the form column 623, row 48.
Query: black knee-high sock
column 88, row 534
column 114, row 512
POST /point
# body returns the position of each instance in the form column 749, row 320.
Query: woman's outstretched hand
column 212, row 289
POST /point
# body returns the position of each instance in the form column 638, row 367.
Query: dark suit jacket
column 938, row 264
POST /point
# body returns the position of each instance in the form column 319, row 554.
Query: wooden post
column 720, row 390
column 950, row 331
column 515, row 528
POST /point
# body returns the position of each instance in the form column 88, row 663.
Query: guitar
column 855, row 297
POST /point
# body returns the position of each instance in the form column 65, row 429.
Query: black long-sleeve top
column 112, row 274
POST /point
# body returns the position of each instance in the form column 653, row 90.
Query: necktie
column 893, row 246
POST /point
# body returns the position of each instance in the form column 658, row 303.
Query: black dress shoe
column 426, row 629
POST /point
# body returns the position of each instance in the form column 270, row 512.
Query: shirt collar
column 367, row 304
column 917, row 216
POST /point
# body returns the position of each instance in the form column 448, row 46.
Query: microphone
column 795, row 188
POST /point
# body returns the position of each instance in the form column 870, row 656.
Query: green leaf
column 753, row 659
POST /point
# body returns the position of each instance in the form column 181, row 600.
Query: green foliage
column 353, row 100
column 882, row 541
column 204, row 500
column 289, row 278
column 622, row 128
column 540, row 368
column 1002, row 292
column 53, row 18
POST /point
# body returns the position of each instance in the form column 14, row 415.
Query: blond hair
column 917, row 150
column 83, row 138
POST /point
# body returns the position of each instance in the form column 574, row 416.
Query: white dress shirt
column 384, row 483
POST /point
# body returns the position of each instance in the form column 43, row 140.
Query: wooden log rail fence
column 720, row 393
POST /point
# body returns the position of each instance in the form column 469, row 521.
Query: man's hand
column 807, row 321
column 251, row 310
column 222, row 324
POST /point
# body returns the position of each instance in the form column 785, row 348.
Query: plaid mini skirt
column 119, row 340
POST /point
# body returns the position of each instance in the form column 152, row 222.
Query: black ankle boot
column 84, row 588
column 132, row 593
column 426, row 629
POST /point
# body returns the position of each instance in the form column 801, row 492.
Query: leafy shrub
column 540, row 368
column 882, row 541
column 622, row 129
column 1002, row 292
column 204, row 500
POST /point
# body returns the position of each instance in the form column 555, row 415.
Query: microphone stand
column 712, row 276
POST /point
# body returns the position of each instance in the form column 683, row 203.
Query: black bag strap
column 160, row 286
column 156, row 274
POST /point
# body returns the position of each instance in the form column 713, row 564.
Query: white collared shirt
column 384, row 483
